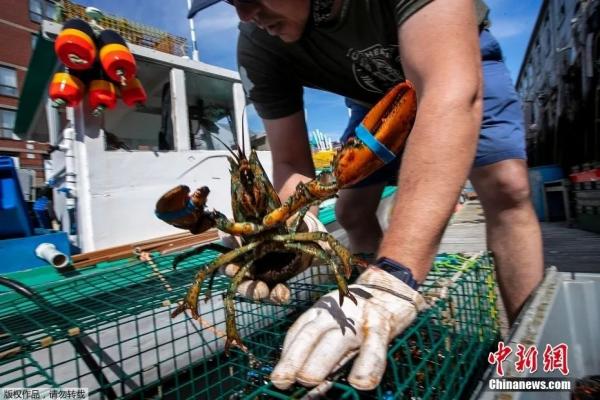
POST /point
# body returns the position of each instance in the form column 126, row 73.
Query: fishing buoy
column 75, row 45
column 133, row 93
column 102, row 95
column 66, row 90
column 115, row 57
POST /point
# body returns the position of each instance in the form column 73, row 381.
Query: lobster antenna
column 200, row 162
column 243, row 148
column 226, row 146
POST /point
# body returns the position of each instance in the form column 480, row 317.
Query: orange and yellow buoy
column 102, row 95
column 66, row 90
column 115, row 57
column 75, row 45
column 133, row 93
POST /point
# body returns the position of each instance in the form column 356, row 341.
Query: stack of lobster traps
column 586, row 194
column 110, row 331
column 132, row 32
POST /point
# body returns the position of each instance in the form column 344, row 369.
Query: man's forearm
column 435, row 165
column 286, row 177
column 290, row 149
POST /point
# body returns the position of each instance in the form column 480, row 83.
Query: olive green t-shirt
column 356, row 57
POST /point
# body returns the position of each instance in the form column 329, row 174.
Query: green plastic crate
column 111, row 332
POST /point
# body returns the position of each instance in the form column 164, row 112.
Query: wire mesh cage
column 132, row 32
column 111, row 332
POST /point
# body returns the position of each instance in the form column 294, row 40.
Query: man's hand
column 327, row 335
column 258, row 290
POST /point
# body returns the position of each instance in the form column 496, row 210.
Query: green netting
column 111, row 332
column 327, row 213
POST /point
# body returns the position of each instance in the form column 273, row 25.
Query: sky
column 216, row 33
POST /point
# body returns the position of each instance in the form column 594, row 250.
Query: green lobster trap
column 111, row 332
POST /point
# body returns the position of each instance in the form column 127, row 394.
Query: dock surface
column 569, row 249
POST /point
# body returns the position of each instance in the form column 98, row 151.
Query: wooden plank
column 168, row 243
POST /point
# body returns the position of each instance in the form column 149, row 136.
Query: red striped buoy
column 75, row 45
column 133, row 93
column 115, row 57
column 66, row 90
column 102, row 95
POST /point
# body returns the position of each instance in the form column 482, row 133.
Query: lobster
column 273, row 246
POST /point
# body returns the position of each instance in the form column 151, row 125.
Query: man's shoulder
column 247, row 28
column 251, row 35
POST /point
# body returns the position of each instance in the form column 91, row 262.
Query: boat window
column 258, row 136
column 143, row 126
column 210, row 112
column 213, row 129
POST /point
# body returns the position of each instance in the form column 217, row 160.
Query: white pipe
column 240, row 117
column 195, row 56
column 70, row 175
column 55, row 175
column 48, row 252
column 68, row 147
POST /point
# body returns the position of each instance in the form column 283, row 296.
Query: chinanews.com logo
column 554, row 358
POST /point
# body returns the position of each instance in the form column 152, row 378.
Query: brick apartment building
column 19, row 24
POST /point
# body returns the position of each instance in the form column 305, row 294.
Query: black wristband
column 397, row 270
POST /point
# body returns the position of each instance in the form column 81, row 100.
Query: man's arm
column 292, row 161
column 440, row 54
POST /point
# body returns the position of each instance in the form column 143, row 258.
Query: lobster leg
column 315, row 250
column 233, row 337
column 345, row 256
column 224, row 224
column 305, row 195
column 190, row 302
column 210, row 246
column 295, row 224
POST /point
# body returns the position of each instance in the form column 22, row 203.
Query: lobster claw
column 178, row 208
column 388, row 123
column 380, row 138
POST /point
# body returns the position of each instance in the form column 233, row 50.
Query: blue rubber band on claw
column 173, row 215
column 382, row 152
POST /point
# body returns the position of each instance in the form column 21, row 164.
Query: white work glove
column 327, row 336
column 259, row 290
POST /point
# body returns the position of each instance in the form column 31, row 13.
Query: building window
column 8, row 82
column 34, row 39
column 51, row 10
column 7, row 123
column 42, row 9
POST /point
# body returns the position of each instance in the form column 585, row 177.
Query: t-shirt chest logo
column 376, row 68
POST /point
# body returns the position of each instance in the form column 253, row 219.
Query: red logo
column 499, row 356
column 555, row 358
column 526, row 359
